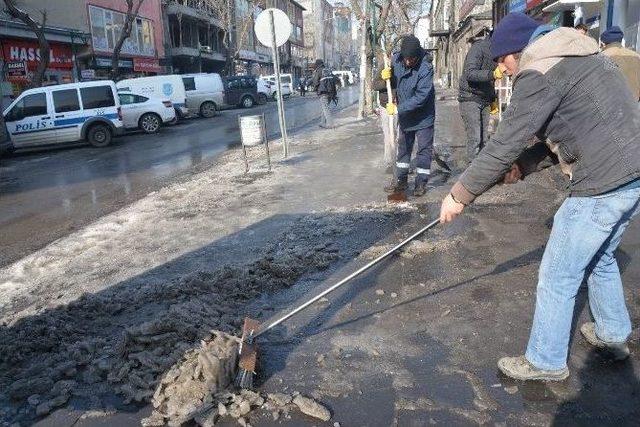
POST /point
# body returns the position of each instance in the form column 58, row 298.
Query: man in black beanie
column 412, row 75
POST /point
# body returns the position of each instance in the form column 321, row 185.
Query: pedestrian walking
column 556, row 72
column 302, row 86
column 324, row 83
column 626, row 59
column 476, row 93
column 412, row 72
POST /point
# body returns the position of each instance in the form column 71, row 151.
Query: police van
column 87, row 111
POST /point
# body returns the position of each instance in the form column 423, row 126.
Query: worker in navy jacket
column 412, row 74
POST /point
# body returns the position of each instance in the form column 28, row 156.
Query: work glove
column 392, row 109
column 385, row 73
column 494, row 108
column 498, row 74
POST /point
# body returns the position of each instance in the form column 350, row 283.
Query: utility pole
column 363, row 58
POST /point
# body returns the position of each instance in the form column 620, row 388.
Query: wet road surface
column 47, row 194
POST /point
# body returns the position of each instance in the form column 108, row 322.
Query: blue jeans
column 586, row 232
column 406, row 140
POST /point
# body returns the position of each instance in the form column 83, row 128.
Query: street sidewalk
column 414, row 341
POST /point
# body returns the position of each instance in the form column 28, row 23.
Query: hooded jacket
column 578, row 103
column 476, row 81
column 415, row 92
column 629, row 63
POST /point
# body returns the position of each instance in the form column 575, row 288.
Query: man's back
column 629, row 63
column 476, row 81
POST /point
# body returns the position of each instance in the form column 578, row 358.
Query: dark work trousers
column 476, row 121
column 406, row 139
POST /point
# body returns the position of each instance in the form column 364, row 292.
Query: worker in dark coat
column 412, row 72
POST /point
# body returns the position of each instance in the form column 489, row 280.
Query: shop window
column 97, row 97
column 66, row 100
column 98, row 29
column 107, row 25
column 30, row 105
column 189, row 83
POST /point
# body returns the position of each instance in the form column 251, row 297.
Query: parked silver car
column 205, row 93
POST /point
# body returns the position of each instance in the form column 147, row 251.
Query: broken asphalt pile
column 82, row 347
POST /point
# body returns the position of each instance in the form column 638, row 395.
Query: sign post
column 273, row 29
column 253, row 132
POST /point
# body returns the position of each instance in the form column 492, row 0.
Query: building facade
column 319, row 31
column 142, row 52
column 68, row 38
column 345, row 53
column 195, row 36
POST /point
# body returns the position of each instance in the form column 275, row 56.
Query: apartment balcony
column 195, row 52
column 196, row 9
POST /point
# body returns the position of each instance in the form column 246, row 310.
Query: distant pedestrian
column 302, row 86
column 477, row 92
column 324, row 83
column 569, row 96
column 412, row 72
column 627, row 60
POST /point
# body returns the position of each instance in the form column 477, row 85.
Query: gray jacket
column 578, row 103
column 476, row 81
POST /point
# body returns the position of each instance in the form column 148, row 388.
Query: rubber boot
column 398, row 185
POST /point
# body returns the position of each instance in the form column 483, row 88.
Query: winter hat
column 612, row 35
column 512, row 34
column 410, row 47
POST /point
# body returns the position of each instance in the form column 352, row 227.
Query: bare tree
column 133, row 6
column 243, row 26
column 372, row 34
column 38, row 29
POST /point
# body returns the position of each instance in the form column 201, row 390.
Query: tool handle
column 263, row 329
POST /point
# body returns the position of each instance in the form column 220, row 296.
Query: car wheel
column 99, row 135
column 150, row 123
column 247, row 102
column 208, row 109
column 262, row 98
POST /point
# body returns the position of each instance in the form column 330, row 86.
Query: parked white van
column 86, row 111
column 170, row 86
column 205, row 93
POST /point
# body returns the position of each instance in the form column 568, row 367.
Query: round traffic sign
column 281, row 23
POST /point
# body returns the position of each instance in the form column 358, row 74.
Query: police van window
column 140, row 99
column 97, row 97
column 30, row 105
column 66, row 100
column 189, row 83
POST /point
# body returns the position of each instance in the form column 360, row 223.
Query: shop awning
column 561, row 5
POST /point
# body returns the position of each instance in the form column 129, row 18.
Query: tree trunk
column 364, row 72
column 132, row 12
column 38, row 30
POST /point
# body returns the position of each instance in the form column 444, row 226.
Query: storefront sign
column 88, row 74
column 517, row 5
column 15, row 50
column 533, row 3
column 17, row 69
column 106, row 63
column 149, row 65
